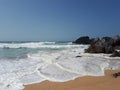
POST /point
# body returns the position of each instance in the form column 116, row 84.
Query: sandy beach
column 106, row 82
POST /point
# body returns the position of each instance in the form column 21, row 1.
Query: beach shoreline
column 106, row 82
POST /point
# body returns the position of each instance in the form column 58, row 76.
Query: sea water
column 23, row 63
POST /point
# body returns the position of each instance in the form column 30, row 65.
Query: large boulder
column 95, row 47
column 116, row 53
column 83, row 40
column 116, row 40
column 107, row 43
column 104, row 45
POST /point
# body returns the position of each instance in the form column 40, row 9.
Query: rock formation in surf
column 83, row 40
column 106, row 45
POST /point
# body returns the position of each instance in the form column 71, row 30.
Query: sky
column 58, row 20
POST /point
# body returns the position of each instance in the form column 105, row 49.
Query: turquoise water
column 13, row 50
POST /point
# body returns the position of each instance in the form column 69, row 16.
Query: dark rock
column 83, row 40
column 109, row 49
column 116, row 40
column 117, row 47
column 107, row 39
column 116, row 54
column 104, row 45
column 95, row 47
column 96, row 39
column 115, row 75
column 78, row 56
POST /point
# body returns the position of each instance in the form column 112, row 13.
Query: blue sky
column 58, row 20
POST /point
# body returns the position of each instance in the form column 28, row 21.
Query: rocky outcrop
column 116, row 40
column 115, row 54
column 115, row 75
column 104, row 45
column 83, row 40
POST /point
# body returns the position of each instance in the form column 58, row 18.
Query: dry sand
column 106, row 82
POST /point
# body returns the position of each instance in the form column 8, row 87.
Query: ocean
column 23, row 63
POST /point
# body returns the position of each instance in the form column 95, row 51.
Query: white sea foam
column 15, row 72
column 54, row 73
column 59, row 65
column 36, row 45
column 32, row 78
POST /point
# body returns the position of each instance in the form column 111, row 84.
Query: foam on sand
column 54, row 73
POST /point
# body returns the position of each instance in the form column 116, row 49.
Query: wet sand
column 106, row 82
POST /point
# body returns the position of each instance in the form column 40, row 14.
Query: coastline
column 106, row 82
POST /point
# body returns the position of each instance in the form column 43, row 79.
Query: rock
column 78, row 56
column 95, row 47
column 109, row 49
column 107, row 43
column 96, row 39
column 116, row 53
column 83, row 40
column 115, row 75
column 116, row 40
column 104, row 45
column 107, row 39
column 117, row 47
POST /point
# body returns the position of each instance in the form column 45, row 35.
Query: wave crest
column 36, row 45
